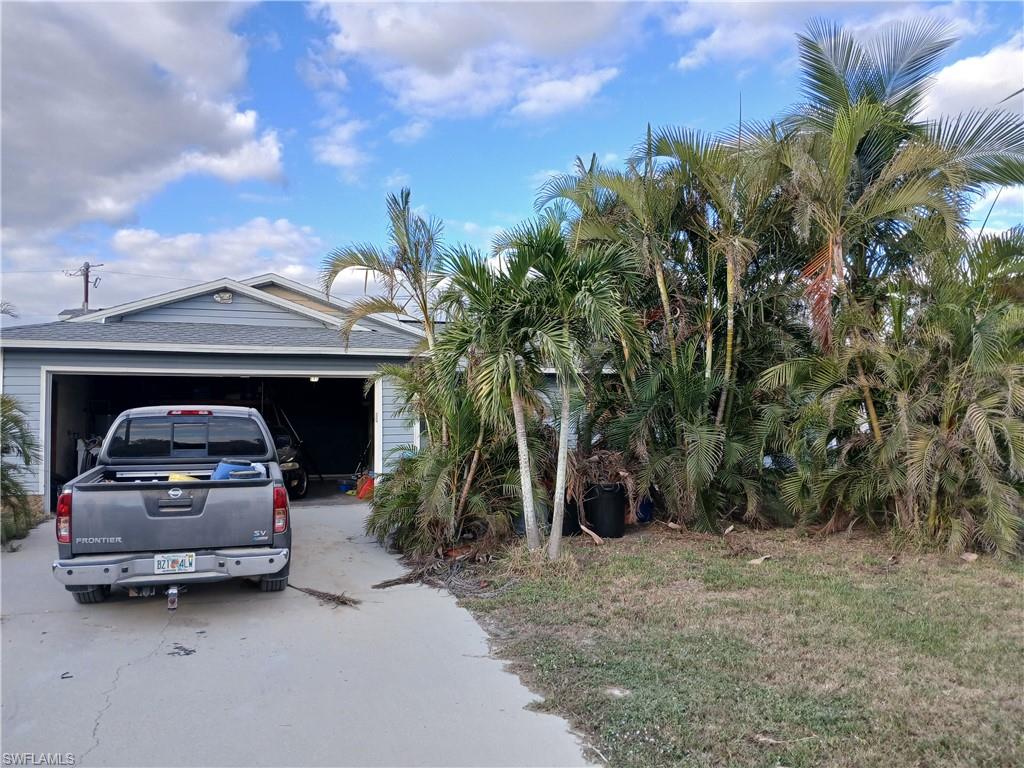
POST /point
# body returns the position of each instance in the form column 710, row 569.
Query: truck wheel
column 95, row 594
column 301, row 487
column 275, row 582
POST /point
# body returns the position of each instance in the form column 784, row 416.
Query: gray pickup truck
column 162, row 508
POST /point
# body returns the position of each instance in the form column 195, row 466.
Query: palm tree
column 583, row 291
column 19, row 452
column 408, row 269
column 634, row 207
column 431, row 499
column 738, row 188
column 947, row 351
column 868, row 170
column 895, row 72
column 504, row 344
column 826, row 172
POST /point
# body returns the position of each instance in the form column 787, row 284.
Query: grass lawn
column 670, row 648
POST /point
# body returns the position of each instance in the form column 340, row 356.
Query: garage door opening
column 332, row 416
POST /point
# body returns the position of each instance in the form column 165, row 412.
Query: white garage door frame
column 47, row 372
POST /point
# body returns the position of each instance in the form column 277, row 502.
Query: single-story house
column 267, row 341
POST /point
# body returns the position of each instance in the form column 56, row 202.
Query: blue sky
column 177, row 143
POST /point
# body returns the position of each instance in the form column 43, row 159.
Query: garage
column 265, row 342
column 331, row 417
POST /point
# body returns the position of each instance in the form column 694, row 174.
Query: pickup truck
column 151, row 516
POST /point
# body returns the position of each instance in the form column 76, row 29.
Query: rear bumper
column 136, row 569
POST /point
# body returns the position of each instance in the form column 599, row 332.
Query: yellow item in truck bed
column 178, row 477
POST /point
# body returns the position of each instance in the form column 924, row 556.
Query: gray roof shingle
column 206, row 334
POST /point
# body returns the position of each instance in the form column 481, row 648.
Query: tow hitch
column 172, row 593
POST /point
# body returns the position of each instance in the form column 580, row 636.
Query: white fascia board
column 234, row 349
column 203, row 288
column 320, row 295
column 378, row 426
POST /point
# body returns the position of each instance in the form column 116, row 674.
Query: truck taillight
column 181, row 412
column 280, row 509
column 64, row 518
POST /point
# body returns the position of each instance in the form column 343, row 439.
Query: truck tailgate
column 164, row 516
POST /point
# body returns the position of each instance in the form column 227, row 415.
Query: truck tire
column 95, row 594
column 275, row 582
column 301, row 488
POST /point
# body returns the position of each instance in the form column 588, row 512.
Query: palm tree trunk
column 708, row 321
column 525, row 473
column 730, row 321
column 428, row 331
column 558, row 515
column 838, row 268
column 470, row 474
column 730, row 313
column 666, row 305
column 869, row 404
column 707, row 342
column 730, row 398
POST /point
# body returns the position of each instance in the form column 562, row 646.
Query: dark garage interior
column 332, row 416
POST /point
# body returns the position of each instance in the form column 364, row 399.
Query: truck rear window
column 161, row 437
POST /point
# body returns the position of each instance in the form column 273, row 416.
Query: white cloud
column 1003, row 208
column 980, row 82
column 259, row 245
column 475, row 234
column 759, row 32
column 105, row 104
column 409, row 133
column 472, row 59
column 142, row 262
column 320, row 69
column 549, row 97
column 338, row 147
column 539, row 178
column 436, row 37
column 396, row 179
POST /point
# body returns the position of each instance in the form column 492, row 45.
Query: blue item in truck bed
column 225, row 468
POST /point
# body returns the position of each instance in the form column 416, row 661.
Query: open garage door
column 332, row 416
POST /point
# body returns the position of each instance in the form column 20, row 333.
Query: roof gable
column 198, row 304
column 314, row 297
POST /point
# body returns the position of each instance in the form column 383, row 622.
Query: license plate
column 183, row 562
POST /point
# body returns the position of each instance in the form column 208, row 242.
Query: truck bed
column 138, row 509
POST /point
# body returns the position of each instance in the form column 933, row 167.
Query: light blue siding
column 243, row 310
column 23, row 379
column 396, row 431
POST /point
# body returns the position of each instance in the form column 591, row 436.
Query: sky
column 177, row 143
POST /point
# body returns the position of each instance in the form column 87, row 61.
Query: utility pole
column 85, row 272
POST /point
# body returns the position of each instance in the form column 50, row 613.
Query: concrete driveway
column 239, row 677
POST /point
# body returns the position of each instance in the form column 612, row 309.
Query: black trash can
column 571, row 520
column 605, row 507
column 543, row 512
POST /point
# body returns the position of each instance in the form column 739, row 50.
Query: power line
column 109, row 272
column 143, row 274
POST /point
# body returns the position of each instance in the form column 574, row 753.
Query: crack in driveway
column 108, row 700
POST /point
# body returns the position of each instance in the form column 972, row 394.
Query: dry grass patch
column 674, row 649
